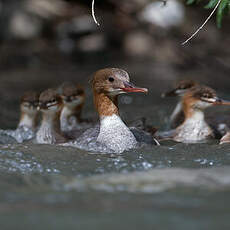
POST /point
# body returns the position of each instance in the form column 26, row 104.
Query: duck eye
column 111, row 79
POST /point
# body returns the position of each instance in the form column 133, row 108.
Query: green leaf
column 189, row 2
column 223, row 8
column 211, row 4
column 220, row 11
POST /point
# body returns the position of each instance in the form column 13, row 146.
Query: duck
column 177, row 116
column 73, row 97
column 28, row 108
column 194, row 102
column 111, row 134
column 50, row 105
column 28, row 121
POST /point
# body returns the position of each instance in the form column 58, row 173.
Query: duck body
column 115, row 134
column 112, row 135
column 48, row 133
column 194, row 129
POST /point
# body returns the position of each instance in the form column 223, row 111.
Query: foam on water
column 20, row 134
column 14, row 161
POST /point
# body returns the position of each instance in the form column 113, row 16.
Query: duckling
column 28, row 108
column 73, row 97
column 28, row 121
column 194, row 102
column 177, row 116
column 50, row 105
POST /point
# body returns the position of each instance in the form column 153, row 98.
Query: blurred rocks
column 133, row 28
column 92, row 43
column 138, row 44
column 24, row 26
column 46, row 8
column 29, row 17
column 81, row 24
column 163, row 14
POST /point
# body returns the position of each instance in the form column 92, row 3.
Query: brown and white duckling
column 194, row 102
column 28, row 120
column 177, row 116
column 73, row 97
column 50, row 105
column 29, row 112
column 107, row 85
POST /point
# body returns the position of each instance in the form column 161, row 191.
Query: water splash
column 20, row 135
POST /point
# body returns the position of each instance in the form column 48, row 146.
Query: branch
column 201, row 27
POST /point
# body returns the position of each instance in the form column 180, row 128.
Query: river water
column 172, row 186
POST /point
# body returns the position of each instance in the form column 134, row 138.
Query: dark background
column 46, row 42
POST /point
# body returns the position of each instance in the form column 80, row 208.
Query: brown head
column 50, row 101
column 29, row 102
column 72, row 95
column 114, row 81
column 181, row 88
column 107, row 85
column 200, row 98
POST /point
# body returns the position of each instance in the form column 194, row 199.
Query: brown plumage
column 71, row 93
column 103, row 82
column 202, row 91
column 194, row 95
column 180, row 88
column 185, row 84
column 48, row 96
column 28, row 109
column 69, row 90
column 31, row 97
column 107, row 84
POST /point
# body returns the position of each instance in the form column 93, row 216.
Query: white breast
column 115, row 134
column 193, row 129
column 45, row 134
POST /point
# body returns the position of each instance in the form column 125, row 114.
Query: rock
column 24, row 26
column 138, row 43
column 46, row 9
column 92, row 43
column 163, row 15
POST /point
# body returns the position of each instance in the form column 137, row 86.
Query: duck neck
column 51, row 121
column 192, row 113
column 105, row 105
column 28, row 120
column 113, row 133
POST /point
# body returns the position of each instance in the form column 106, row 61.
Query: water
column 172, row 186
